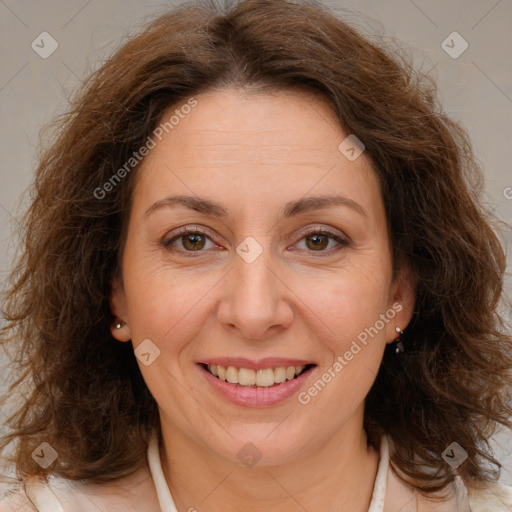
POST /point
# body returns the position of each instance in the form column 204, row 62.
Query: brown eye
column 322, row 242
column 317, row 241
column 189, row 240
column 193, row 241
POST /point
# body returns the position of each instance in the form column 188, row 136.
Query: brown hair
column 83, row 391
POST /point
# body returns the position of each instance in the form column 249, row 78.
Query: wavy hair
column 82, row 391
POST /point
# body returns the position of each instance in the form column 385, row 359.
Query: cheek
column 167, row 307
column 170, row 311
column 346, row 302
column 352, row 336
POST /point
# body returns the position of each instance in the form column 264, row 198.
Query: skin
column 254, row 153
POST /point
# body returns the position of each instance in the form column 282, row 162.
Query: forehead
column 280, row 124
column 251, row 146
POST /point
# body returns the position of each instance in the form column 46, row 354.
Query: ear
column 118, row 308
column 401, row 301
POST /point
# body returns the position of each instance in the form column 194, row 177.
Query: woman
column 257, row 276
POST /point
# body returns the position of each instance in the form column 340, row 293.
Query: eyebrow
column 291, row 209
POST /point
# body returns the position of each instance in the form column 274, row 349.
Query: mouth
column 269, row 377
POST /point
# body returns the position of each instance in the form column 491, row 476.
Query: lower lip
column 257, row 396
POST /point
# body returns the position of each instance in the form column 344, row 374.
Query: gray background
column 475, row 88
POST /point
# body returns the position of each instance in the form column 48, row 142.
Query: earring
column 118, row 324
column 398, row 345
column 120, row 330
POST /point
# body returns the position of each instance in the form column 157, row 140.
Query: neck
column 338, row 475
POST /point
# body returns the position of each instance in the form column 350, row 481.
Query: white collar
column 390, row 493
column 167, row 503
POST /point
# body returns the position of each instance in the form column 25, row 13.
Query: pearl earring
column 118, row 324
column 399, row 346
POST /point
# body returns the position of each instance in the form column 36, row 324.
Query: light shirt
column 148, row 491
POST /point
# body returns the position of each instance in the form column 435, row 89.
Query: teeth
column 280, row 374
column 232, row 375
column 246, row 377
column 290, row 372
column 263, row 378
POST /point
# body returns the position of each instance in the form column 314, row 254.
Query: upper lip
column 260, row 364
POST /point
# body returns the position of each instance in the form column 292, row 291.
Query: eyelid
column 341, row 240
column 327, row 230
column 184, row 230
column 333, row 233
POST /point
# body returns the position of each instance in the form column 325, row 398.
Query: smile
column 249, row 377
column 263, row 383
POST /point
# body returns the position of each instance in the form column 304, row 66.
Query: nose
column 256, row 303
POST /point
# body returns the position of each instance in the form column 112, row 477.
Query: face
column 257, row 252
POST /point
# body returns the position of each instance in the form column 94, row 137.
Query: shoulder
column 61, row 495
column 479, row 497
column 459, row 496
column 34, row 495
column 493, row 497
column 15, row 500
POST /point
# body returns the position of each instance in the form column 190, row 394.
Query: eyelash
column 308, row 232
